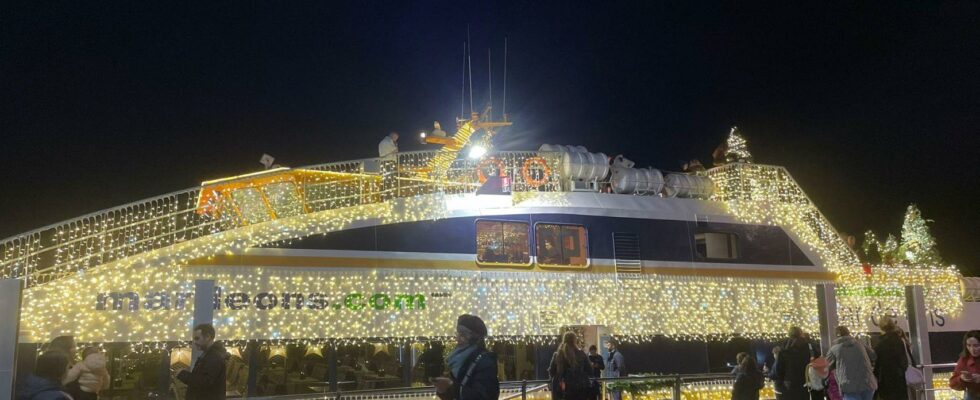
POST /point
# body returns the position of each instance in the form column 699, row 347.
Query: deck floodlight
column 477, row 151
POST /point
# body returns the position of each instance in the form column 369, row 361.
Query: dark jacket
column 433, row 362
column 207, row 380
column 890, row 367
column 577, row 384
column 791, row 370
column 38, row 388
column 747, row 384
column 481, row 384
column 599, row 365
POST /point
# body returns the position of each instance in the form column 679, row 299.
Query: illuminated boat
column 394, row 250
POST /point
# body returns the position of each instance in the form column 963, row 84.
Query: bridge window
column 717, row 245
column 561, row 245
column 502, row 243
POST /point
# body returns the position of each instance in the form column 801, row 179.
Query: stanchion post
column 915, row 307
column 203, row 309
column 11, row 295
column 827, row 311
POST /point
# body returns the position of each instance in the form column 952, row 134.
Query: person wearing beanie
column 472, row 368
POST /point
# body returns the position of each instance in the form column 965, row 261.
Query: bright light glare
column 422, row 134
column 477, row 151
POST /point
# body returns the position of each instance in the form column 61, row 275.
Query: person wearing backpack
column 748, row 379
column 852, row 360
column 569, row 371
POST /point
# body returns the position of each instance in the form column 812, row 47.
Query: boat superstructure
column 398, row 247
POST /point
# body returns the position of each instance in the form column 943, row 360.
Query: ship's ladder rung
column 626, row 252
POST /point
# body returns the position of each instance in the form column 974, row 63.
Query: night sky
column 870, row 107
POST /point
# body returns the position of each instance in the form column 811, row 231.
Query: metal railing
column 939, row 388
column 122, row 232
column 675, row 387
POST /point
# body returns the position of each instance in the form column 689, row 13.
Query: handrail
column 946, row 365
column 121, row 232
column 524, row 391
column 525, row 386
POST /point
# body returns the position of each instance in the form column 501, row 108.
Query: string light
column 146, row 247
column 764, row 194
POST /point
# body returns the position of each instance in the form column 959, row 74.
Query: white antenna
column 505, row 79
column 470, row 62
column 462, row 95
column 490, row 83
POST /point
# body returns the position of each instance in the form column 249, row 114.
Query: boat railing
column 675, row 387
column 122, row 232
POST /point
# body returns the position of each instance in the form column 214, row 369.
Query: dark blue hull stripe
column 662, row 240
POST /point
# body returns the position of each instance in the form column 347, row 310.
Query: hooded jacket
column 38, row 388
column 91, row 373
column 207, row 380
column 851, row 359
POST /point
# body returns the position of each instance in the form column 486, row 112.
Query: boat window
column 561, row 245
column 502, row 243
column 716, row 245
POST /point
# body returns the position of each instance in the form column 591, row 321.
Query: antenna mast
column 490, row 83
column 470, row 62
column 505, row 79
column 462, row 95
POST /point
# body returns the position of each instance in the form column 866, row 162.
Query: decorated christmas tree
column 737, row 149
column 918, row 246
column 889, row 251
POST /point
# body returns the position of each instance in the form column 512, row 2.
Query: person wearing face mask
column 966, row 376
column 472, row 368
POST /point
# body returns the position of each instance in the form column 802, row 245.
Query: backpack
column 814, row 378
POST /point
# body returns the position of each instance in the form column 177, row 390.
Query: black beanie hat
column 473, row 323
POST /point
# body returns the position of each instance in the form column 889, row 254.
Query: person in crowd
column 45, row 382
column 388, row 147
column 569, row 371
column 432, row 360
column 966, row 376
column 790, row 375
column 66, row 344
column 597, row 366
column 771, row 374
column 615, row 366
column 388, row 153
column 891, row 361
column 748, row 378
column 817, row 380
column 851, row 360
column 207, row 379
column 91, row 374
column 472, row 368
column 437, row 130
column 770, row 371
